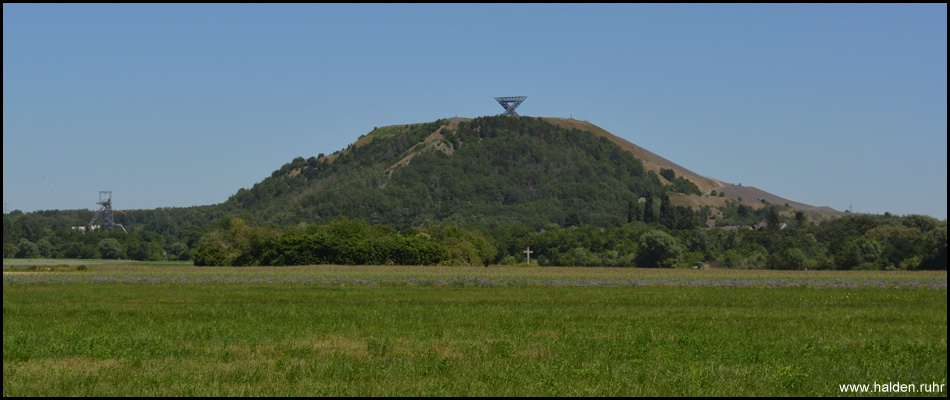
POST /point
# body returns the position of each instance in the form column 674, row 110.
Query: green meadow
column 176, row 330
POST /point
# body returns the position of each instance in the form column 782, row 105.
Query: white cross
column 528, row 253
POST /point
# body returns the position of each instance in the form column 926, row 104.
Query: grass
column 185, row 268
column 210, row 336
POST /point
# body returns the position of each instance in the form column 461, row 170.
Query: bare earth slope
column 749, row 193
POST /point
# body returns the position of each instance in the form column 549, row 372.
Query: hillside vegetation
column 484, row 171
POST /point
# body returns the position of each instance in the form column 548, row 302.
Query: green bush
column 658, row 249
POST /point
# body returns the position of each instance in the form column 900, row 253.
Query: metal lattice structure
column 510, row 103
column 105, row 211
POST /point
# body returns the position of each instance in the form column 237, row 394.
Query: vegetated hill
column 484, row 171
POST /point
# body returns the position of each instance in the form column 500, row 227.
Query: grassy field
column 175, row 330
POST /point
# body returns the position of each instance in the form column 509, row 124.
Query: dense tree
column 649, row 214
column 658, row 249
column 935, row 249
column 572, row 220
column 772, row 220
column 110, row 249
column 800, row 218
column 27, row 249
column 177, row 249
column 668, row 173
column 232, row 243
column 44, row 248
column 667, row 213
column 859, row 253
column 633, row 211
column 73, row 250
column 685, row 186
column 140, row 251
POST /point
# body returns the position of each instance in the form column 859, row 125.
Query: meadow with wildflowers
column 114, row 330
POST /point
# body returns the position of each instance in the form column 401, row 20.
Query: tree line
column 344, row 242
column 871, row 242
column 857, row 242
column 154, row 235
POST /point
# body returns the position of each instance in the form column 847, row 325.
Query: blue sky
column 182, row 105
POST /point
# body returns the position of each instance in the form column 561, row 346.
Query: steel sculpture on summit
column 510, row 103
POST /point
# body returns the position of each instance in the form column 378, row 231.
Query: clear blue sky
column 181, row 105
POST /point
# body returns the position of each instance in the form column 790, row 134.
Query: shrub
column 658, row 249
